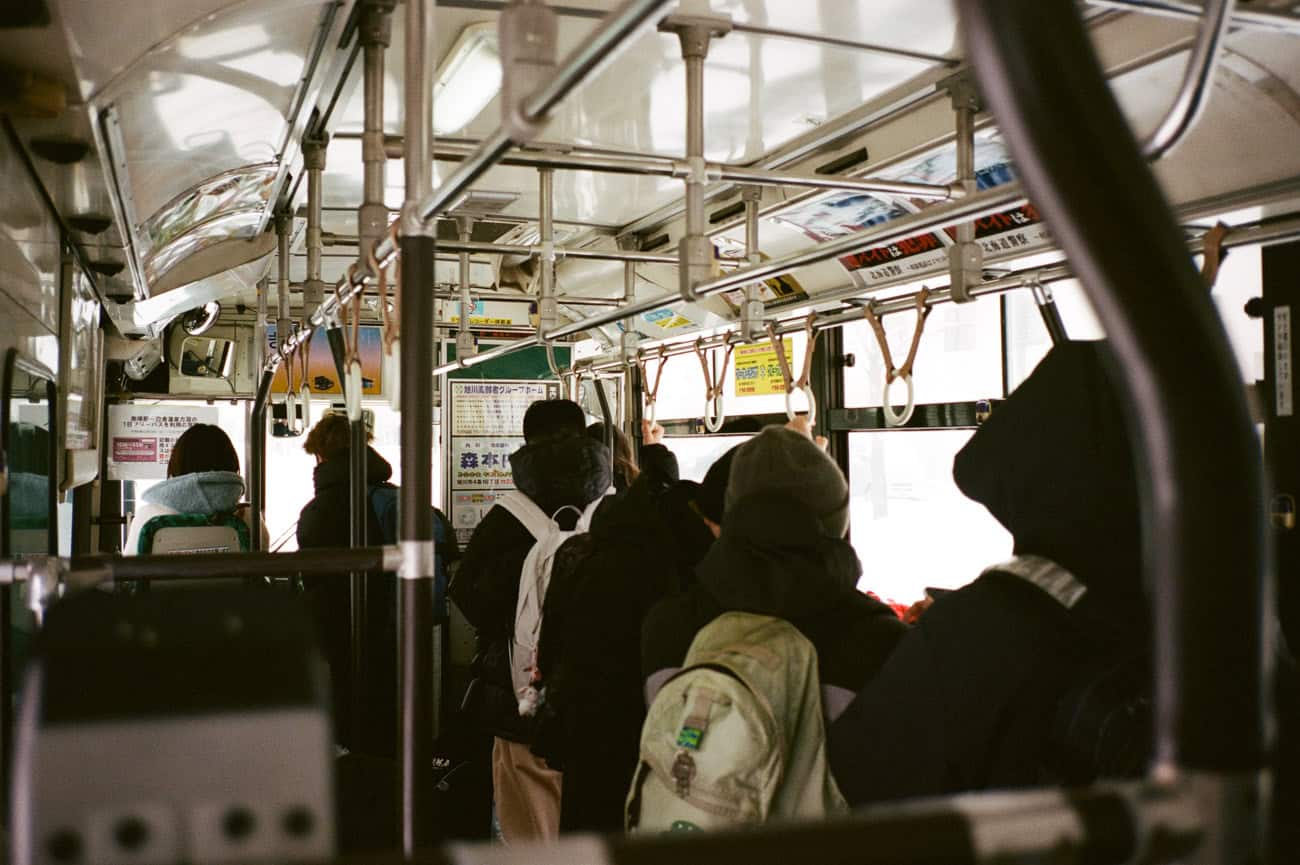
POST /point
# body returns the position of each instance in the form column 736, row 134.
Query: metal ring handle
column 352, row 392
column 714, row 413
column 887, row 408
column 808, row 395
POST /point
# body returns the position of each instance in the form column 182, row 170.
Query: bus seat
column 194, row 533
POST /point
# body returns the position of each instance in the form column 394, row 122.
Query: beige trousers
column 527, row 794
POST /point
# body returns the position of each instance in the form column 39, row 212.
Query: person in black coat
column 781, row 553
column 642, row 547
column 326, row 522
column 558, row 466
column 970, row 699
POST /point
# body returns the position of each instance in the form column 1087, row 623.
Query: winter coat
column 970, row 698
column 642, row 549
column 571, row 470
column 774, row 560
column 196, row 493
column 324, row 522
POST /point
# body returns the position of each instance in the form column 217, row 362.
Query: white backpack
column 534, row 579
column 737, row 737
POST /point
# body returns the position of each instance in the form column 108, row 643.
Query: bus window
column 695, row 454
column 289, row 471
column 902, row 500
column 1027, row 338
column 960, row 357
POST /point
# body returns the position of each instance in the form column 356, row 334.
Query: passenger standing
column 968, row 699
column 558, row 466
column 643, row 547
column 781, row 553
column 202, row 478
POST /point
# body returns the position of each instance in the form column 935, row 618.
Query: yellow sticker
column 758, row 372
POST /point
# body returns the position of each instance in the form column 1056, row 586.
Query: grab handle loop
column 802, row 383
column 352, row 390
column 904, row 372
column 651, row 391
column 714, row 414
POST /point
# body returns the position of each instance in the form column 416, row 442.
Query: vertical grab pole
column 374, row 33
column 257, row 461
column 965, row 256
column 631, row 384
column 1201, row 479
column 419, row 660
column 695, row 250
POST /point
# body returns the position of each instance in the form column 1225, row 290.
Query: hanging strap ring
column 714, row 378
column 652, row 392
column 802, row 383
column 904, row 372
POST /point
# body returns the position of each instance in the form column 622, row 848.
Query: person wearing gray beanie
column 781, row 461
column 781, row 553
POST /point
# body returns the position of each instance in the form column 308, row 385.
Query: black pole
column 608, row 417
column 257, row 461
column 1052, row 320
column 419, row 668
column 1199, row 463
column 1280, row 311
column 85, row 571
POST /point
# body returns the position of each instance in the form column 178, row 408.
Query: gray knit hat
column 784, row 462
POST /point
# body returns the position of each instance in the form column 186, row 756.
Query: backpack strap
column 530, row 516
column 1046, row 575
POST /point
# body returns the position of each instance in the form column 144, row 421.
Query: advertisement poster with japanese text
column 758, row 372
column 140, row 437
column 487, row 427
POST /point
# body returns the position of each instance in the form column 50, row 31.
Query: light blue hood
column 198, row 493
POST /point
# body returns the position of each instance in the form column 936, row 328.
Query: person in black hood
column 971, row 698
column 781, row 553
column 558, row 466
column 643, row 547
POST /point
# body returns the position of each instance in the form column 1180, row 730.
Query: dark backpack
column 384, row 501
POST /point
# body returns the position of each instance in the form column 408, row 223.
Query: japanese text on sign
column 492, row 408
column 758, row 372
column 483, row 463
column 141, row 437
column 1282, row 361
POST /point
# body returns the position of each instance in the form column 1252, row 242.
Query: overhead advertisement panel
column 1016, row 230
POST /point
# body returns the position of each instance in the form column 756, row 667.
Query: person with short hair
column 202, row 478
column 560, row 469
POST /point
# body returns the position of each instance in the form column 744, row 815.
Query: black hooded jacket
column 571, row 470
column 970, row 697
column 774, row 560
column 642, row 548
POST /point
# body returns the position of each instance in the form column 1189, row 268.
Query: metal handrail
column 1190, row 99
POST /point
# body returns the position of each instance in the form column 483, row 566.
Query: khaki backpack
column 737, row 737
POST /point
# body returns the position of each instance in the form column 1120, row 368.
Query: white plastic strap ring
column 352, row 393
column 892, row 419
column 304, row 397
column 808, row 395
column 291, row 413
column 714, row 414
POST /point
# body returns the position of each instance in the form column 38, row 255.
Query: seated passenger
column 782, row 553
column 558, row 466
column 968, row 699
column 643, row 547
column 202, row 479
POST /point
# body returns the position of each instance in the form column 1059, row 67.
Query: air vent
column 845, row 162
column 60, row 151
column 107, row 268
column 655, row 242
column 482, row 202
column 726, row 213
